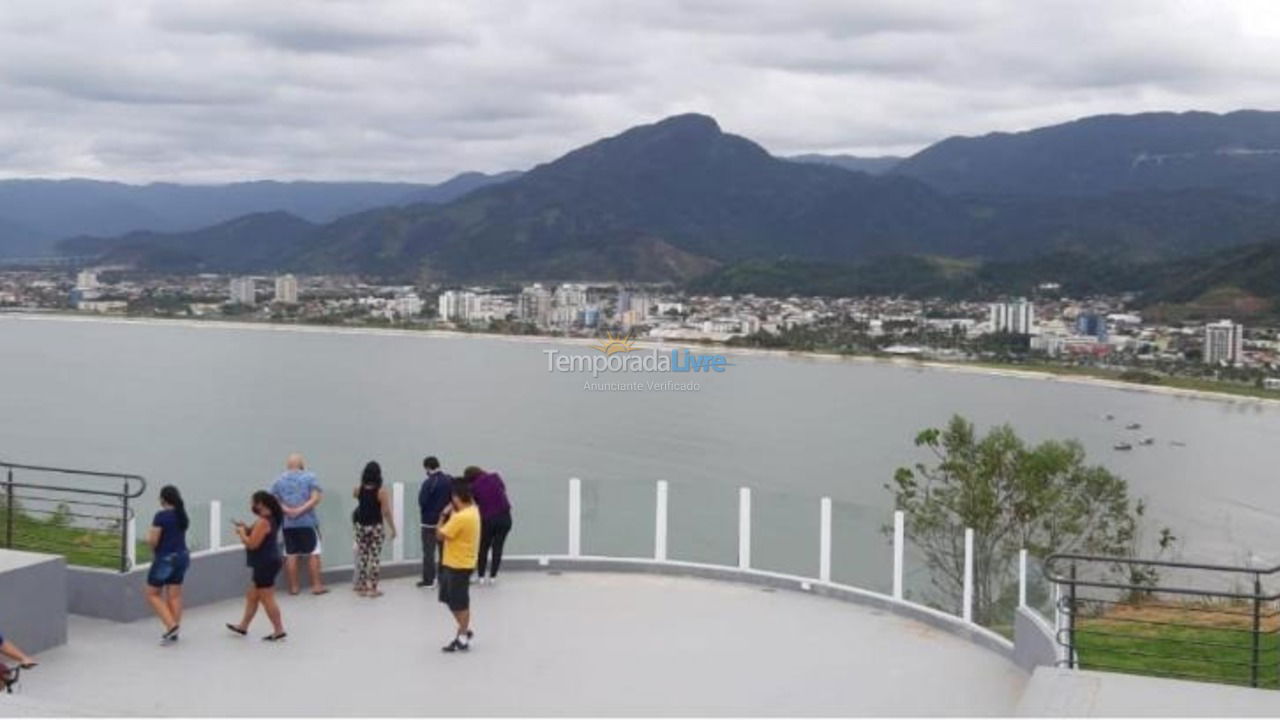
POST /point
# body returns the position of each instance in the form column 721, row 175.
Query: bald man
column 299, row 494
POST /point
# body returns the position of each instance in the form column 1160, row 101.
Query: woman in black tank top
column 373, row 506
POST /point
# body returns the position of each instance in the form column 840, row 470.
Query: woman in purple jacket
column 495, row 519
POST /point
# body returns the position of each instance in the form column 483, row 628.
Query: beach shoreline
column 903, row 363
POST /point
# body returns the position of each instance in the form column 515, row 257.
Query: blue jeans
column 169, row 569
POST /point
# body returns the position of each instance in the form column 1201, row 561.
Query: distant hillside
column 34, row 213
column 262, row 241
column 1237, row 152
column 670, row 200
column 680, row 198
column 869, row 165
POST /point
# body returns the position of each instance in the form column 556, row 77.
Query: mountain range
column 680, row 199
column 36, row 213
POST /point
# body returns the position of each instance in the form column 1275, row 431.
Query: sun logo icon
column 612, row 344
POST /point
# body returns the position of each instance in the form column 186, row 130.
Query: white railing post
column 744, row 528
column 575, row 517
column 215, row 524
column 899, row 542
column 397, row 514
column 824, row 540
column 967, row 609
column 1022, row 578
column 131, row 542
column 660, row 524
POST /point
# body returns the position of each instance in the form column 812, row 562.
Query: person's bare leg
column 463, row 618
column 173, row 595
column 313, row 568
column 291, row 572
column 273, row 610
column 250, row 608
column 17, row 655
column 159, row 607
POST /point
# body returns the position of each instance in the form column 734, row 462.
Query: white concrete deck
column 574, row 644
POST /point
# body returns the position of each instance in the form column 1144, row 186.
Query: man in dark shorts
column 299, row 493
column 459, row 530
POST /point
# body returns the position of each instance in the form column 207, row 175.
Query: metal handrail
column 127, row 477
column 133, row 487
column 1070, row 583
column 1155, row 563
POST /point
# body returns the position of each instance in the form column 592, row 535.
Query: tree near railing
column 1044, row 498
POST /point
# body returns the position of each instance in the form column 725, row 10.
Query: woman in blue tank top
column 262, row 554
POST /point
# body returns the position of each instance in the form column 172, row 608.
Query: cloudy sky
column 142, row 90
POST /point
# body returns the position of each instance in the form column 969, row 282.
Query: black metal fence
column 1213, row 623
column 84, row 515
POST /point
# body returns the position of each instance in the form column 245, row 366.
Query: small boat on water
column 1148, row 441
column 1177, row 443
column 1133, row 426
column 1123, row 446
column 1109, row 416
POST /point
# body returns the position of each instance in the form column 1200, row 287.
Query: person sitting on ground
column 262, row 554
column 372, row 510
column 299, row 493
column 460, row 532
column 495, row 520
column 169, row 561
column 433, row 498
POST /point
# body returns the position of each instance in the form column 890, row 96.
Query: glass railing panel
column 938, row 588
column 618, row 517
column 703, row 522
column 540, row 515
column 412, row 524
column 197, row 533
column 861, row 546
column 785, row 532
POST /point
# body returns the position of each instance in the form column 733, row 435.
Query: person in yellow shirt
column 459, row 530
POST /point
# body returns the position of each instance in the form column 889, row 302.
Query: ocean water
column 215, row 409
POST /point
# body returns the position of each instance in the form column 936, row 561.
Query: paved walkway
column 572, row 644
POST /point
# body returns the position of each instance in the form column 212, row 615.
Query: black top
column 268, row 552
column 369, row 510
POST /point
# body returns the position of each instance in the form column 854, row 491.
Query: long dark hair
column 269, row 501
column 372, row 475
column 170, row 496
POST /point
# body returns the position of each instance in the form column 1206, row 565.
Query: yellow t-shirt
column 462, row 539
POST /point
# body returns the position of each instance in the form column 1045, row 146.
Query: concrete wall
column 33, row 600
column 215, row 575
column 1034, row 644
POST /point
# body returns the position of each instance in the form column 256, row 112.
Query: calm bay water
column 215, row 409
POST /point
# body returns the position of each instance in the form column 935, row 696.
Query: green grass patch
column 56, row 535
column 1195, row 644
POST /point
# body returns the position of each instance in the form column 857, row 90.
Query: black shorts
column 455, row 588
column 264, row 574
column 301, row 541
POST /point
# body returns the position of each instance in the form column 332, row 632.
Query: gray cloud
column 194, row 90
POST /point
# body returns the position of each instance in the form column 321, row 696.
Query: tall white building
column 1017, row 317
column 568, row 304
column 458, row 306
column 1223, row 342
column 534, row 305
column 87, row 280
column 242, row 291
column 287, row 289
